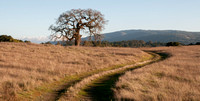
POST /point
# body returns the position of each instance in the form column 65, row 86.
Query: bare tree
column 69, row 24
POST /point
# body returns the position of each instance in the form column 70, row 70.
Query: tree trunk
column 78, row 40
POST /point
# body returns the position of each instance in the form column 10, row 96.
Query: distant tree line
column 129, row 43
column 197, row 43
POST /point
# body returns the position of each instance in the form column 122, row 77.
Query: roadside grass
column 173, row 79
column 32, row 70
column 67, row 81
column 100, row 89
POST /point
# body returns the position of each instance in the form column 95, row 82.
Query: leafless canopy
column 70, row 23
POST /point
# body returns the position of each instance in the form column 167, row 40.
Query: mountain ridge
column 185, row 37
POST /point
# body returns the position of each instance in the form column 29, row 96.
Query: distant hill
column 153, row 35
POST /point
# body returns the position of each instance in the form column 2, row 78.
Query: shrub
column 198, row 43
column 48, row 42
column 173, row 44
column 27, row 41
column 6, row 38
column 191, row 44
column 87, row 43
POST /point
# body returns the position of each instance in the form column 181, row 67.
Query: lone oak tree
column 69, row 25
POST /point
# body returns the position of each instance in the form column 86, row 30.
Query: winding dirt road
column 98, row 87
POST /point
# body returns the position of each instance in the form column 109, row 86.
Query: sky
column 30, row 19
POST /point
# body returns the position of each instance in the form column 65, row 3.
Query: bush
column 173, row 44
column 27, row 41
column 191, row 44
column 88, row 43
column 6, row 38
column 198, row 43
column 48, row 43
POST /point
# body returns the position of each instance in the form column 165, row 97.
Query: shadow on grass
column 101, row 89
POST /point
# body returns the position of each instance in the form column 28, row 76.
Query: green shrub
column 173, row 44
column 26, row 41
column 198, row 43
column 6, row 38
column 48, row 42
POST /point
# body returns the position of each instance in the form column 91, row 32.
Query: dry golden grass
column 76, row 92
column 26, row 66
column 174, row 79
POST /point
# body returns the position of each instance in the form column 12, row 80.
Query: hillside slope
column 153, row 35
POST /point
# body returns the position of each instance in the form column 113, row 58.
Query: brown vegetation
column 25, row 66
column 174, row 79
column 77, row 92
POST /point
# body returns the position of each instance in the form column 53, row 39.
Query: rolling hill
column 153, row 35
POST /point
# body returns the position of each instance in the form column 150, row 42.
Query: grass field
column 26, row 67
column 174, row 79
column 29, row 71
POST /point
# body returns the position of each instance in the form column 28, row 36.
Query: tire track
column 98, row 87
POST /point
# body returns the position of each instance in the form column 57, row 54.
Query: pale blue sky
column 32, row 18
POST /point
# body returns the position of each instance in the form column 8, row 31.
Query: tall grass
column 174, row 79
column 25, row 66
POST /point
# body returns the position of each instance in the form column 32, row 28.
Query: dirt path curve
column 98, row 87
